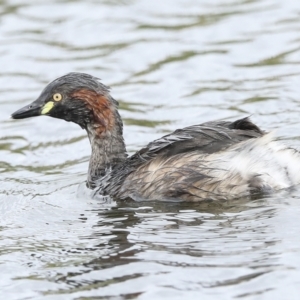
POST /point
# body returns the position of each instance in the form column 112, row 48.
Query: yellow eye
column 57, row 97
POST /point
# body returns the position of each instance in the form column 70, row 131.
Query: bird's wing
column 208, row 138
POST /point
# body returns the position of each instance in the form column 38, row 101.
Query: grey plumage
column 183, row 172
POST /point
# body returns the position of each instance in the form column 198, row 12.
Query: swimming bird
column 215, row 160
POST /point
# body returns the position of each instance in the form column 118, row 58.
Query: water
column 170, row 64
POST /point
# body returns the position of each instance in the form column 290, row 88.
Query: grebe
column 214, row 160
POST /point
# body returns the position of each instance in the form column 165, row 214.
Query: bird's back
column 214, row 160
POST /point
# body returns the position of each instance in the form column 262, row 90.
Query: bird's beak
column 34, row 109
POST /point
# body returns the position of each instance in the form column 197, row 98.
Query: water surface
column 170, row 64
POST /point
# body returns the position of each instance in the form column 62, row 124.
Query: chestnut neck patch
column 103, row 118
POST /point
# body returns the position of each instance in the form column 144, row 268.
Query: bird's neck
column 108, row 149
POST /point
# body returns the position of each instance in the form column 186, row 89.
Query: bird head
column 75, row 97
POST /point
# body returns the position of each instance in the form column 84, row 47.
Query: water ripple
column 171, row 65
